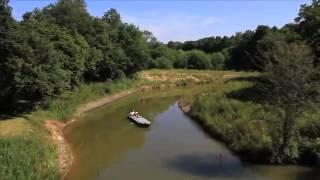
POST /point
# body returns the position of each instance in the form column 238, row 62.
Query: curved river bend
column 107, row 146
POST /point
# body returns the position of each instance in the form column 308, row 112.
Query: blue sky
column 181, row 20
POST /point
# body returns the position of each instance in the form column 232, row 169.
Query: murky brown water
column 108, row 146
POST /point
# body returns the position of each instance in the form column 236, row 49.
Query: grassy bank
column 237, row 123
column 28, row 157
column 63, row 107
column 232, row 114
column 25, row 151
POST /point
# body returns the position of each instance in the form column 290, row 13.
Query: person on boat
column 135, row 114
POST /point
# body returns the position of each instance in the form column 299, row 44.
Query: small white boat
column 136, row 118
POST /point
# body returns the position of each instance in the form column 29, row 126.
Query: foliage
column 208, row 45
column 49, row 61
column 291, row 88
column 163, row 63
column 217, row 61
column 7, row 23
column 309, row 24
column 242, row 57
column 61, row 46
column 198, row 60
column 71, row 14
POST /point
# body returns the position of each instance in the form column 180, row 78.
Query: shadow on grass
column 256, row 93
column 17, row 109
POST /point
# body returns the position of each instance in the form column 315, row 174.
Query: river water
column 107, row 145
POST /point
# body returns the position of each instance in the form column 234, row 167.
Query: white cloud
column 175, row 27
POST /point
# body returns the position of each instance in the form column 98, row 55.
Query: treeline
column 56, row 48
column 243, row 51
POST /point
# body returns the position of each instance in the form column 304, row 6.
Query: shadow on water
column 312, row 174
column 206, row 165
column 285, row 172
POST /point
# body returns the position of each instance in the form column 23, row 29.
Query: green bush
column 163, row 63
column 217, row 61
column 198, row 60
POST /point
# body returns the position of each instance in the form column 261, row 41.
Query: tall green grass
column 239, row 124
column 27, row 158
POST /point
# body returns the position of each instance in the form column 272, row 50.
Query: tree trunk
column 287, row 148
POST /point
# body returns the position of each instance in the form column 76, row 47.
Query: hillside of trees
column 61, row 46
column 242, row 50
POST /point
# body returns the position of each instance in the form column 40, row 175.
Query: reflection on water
column 108, row 146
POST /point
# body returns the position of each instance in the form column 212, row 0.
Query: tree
column 6, row 19
column 198, row 60
column 151, row 39
column 174, row 45
column 243, row 54
column 180, row 60
column 135, row 46
column 112, row 17
column 163, row 63
column 217, row 61
column 239, row 59
column 290, row 87
column 309, row 25
column 208, row 45
column 46, row 62
column 7, row 23
column 71, row 14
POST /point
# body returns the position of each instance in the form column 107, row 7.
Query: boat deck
column 139, row 120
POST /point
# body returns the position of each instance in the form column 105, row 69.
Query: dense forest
column 56, row 48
